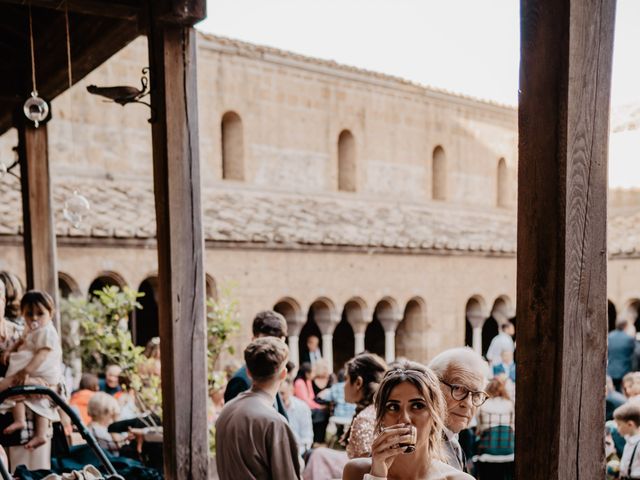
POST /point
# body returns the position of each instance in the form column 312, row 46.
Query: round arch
column 290, row 309
column 408, row 341
column 145, row 322
column 347, row 171
column 438, row 174
column 612, row 315
column 211, row 287
column 632, row 312
column 67, row 286
column 502, row 190
column 106, row 279
column 475, row 313
column 232, row 143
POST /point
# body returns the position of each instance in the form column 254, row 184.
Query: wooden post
column 181, row 299
column 565, row 78
column 37, row 212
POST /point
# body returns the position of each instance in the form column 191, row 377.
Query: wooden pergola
column 565, row 77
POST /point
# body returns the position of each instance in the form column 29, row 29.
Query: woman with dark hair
column 363, row 375
column 495, row 434
column 303, row 389
column 410, row 412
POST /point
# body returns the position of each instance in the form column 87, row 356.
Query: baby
column 37, row 355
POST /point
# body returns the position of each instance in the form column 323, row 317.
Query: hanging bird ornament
column 122, row 95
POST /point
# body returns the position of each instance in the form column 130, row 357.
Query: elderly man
column 463, row 375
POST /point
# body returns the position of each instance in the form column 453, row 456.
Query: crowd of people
column 370, row 420
column 622, row 434
column 31, row 354
column 451, row 419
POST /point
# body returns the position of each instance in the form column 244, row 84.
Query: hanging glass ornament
column 75, row 209
column 36, row 109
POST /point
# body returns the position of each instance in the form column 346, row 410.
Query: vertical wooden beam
column 565, row 79
column 37, row 211
column 181, row 302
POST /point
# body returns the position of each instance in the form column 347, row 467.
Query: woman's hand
column 386, row 447
column 20, row 377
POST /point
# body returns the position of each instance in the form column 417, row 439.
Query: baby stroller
column 95, row 452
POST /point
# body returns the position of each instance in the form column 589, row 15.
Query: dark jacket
column 621, row 347
column 241, row 382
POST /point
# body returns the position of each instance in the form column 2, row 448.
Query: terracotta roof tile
column 125, row 209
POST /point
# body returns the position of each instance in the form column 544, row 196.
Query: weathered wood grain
column 565, row 78
column 180, row 250
column 37, row 212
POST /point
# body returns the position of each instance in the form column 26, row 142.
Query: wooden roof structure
column 565, row 72
column 97, row 30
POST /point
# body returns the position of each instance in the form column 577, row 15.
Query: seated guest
column 252, row 439
column 363, row 375
column 111, row 382
column 303, row 389
column 343, row 412
column 410, row 411
column 463, row 376
column 89, row 385
column 495, row 435
column 104, row 410
column 299, row 415
column 322, row 376
column 627, row 418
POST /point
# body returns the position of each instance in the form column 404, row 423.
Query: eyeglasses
column 460, row 392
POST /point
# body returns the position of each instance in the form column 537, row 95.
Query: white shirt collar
column 450, row 435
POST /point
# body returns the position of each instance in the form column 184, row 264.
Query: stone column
column 294, row 325
column 477, row 321
column 327, row 321
column 327, row 348
column 389, row 346
column 389, row 319
column 294, row 353
column 359, row 342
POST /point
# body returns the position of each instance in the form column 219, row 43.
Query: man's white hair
column 461, row 358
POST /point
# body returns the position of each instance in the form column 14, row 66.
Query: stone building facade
column 371, row 211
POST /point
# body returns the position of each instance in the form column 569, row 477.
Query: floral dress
column 9, row 335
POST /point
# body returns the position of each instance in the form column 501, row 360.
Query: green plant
column 102, row 337
column 222, row 323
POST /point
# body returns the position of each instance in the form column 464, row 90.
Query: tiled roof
column 125, row 209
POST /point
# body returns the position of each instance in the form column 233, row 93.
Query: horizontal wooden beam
column 111, row 9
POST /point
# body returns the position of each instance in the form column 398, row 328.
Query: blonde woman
column 410, row 412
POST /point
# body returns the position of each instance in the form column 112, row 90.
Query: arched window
column 67, row 286
column 144, row 322
column 346, row 162
column 439, row 174
column 105, row 279
column 503, row 184
column 232, row 147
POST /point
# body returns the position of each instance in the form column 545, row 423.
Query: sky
column 466, row 46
